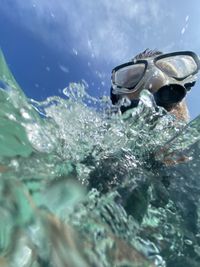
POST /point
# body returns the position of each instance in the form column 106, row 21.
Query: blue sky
column 49, row 43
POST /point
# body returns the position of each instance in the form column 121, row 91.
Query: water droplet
column 188, row 242
column 75, row 52
column 183, row 30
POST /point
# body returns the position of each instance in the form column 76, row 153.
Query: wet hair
column 147, row 53
column 143, row 55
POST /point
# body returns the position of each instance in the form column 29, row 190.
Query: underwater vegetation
column 83, row 186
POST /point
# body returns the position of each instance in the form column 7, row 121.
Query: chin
column 180, row 111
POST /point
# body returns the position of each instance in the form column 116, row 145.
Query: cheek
column 180, row 111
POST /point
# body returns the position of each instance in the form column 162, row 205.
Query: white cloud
column 100, row 28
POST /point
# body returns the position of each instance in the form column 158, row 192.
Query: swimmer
column 167, row 76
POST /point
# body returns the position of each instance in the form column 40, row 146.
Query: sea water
column 83, row 185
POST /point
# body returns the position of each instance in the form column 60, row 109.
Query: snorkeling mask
column 167, row 76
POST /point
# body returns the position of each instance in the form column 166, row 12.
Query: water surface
column 83, row 185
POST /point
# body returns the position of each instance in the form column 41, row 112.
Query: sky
column 50, row 43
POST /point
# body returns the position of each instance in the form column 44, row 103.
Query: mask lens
column 179, row 66
column 129, row 76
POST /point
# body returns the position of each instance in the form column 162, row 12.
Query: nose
column 155, row 80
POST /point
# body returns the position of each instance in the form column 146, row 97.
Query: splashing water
column 84, row 186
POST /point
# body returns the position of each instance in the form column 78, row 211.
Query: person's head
column 167, row 76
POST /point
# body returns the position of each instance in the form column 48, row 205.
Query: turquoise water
column 81, row 186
